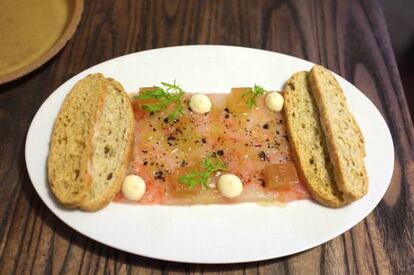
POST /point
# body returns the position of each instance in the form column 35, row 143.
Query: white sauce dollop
column 274, row 101
column 200, row 104
column 133, row 187
column 230, row 185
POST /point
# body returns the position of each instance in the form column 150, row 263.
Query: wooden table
column 349, row 37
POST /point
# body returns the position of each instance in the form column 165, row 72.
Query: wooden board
column 348, row 37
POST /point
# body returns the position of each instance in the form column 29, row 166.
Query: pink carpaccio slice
column 246, row 140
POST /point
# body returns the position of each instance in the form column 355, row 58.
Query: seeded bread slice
column 70, row 147
column 343, row 136
column 308, row 142
column 91, row 144
column 112, row 147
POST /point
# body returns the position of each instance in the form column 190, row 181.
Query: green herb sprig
column 251, row 95
column 164, row 96
column 210, row 165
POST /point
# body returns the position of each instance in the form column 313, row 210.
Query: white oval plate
column 213, row 233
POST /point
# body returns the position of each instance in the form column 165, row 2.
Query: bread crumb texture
column 344, row 138
column 91, row 144
column 307, row 140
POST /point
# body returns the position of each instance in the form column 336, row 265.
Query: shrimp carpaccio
column 251, row 142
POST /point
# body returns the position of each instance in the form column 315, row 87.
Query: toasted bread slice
column 70, row 148
column 91, row 144
column 308, row 142
column 343, row 136
column 112, row 143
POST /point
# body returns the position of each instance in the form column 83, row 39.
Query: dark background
column 399, row 15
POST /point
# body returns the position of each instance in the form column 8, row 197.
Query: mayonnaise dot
column 230, row 185
column 274, row 101
column 133, row 187
column 200, row 103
